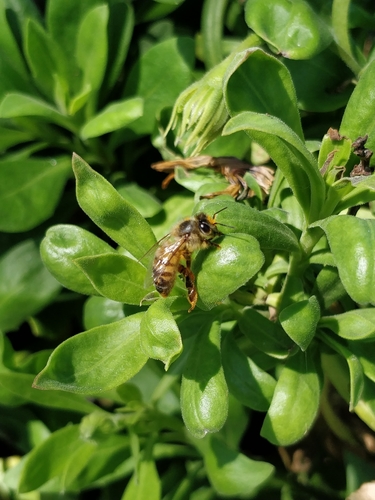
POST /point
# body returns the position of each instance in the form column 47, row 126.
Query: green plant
column 284, row 317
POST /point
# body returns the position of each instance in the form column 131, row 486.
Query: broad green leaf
column 243, row 93
column 352, row 325
column 291, row 28
column 295, row 402
column 115, row 276
column 328, row 287
column 147, row 79
column 144, row 484
column 146, row 204
column 317, row 79
column 341, row 20
column 92, row 45
column 99, row 311
column 160, row 336
column 64, row 454
column 96, row 360
column 358, row 117
column 62, row 245
column 25, row 285
column 231, row 473
column 252, row 386
column 266, row 335
column 110, row 460
column 11, row 137
column 289, row 153
column 365, row 352
column 365, row 408
column 221, row 271
column 114, row 116
column 15, row 105
column 243, row 219
column 46, row 62
column 175, row 208
column 344, row 371
column 30, row 191
column 20, row 386
column 12, row 58
column 16, row 387
column 119, row 32
column 107, row 208
column 355, row 259
column 300, row 320
column 204, row 393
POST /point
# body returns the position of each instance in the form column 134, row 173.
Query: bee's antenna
column 221, row 209
column 220, row 223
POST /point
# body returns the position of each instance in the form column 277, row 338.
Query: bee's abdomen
column 164, row 274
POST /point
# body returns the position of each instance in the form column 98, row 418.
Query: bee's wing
column 148, row 260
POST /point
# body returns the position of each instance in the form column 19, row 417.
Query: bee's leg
column 189, row 283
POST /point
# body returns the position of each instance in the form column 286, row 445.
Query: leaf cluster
column 140, row 398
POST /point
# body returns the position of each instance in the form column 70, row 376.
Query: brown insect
column 230, row 167
column 193, row 233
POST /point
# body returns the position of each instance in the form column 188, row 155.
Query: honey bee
column 193, row 233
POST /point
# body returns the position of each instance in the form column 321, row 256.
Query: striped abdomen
column 165, row 268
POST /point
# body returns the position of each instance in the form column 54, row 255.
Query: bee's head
column 207, row 225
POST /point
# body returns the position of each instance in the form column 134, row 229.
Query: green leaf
column 328, row 287
column 15, row 105
column 291, row 28
column 63, row 455
column 266, row 335
column 95, row 360
column 243, row 219
column 112, row 117
column 300, row 320
column 352, row 325
column 233, row 474
column 243, row 93
column 349, row 387
column 295, row 402
column 20, row 386
column 10, row 137
column 115, row 276
column 30, row 191
column 25, row 285
column 101, row 311
column 146, row 204
column 317, row 79
column 248, row 383
column 144, row 483
column 46, row 61
column 160, row 336
column 91, row 45
column 62, row 245
column 147, row 79
column 358, row 119
column 16, row 388
column 289, row 153
column 366, row 357
column 107, row 208
column 119, row 33
column 221, row 271
column 12, row 62
column 355, row 259
column 341, row 17
column 204, row 393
